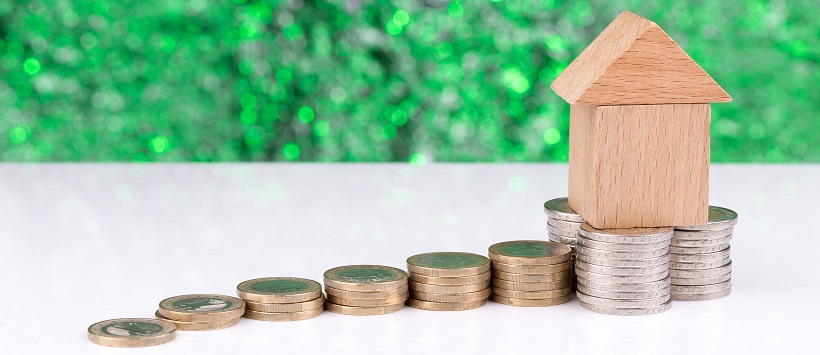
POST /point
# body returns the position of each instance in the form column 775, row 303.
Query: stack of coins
column 131, row 332
column 201, row 312
column 365, row 290
column 563, row 225
column 699, row 260
column 531, row 273
column 624, row 271
column 281, row 299
column 448, row 281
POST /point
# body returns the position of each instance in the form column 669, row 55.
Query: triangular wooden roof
column 634, row 62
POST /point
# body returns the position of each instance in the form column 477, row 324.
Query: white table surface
column 84, row 243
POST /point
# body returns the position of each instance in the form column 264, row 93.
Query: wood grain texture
column 634, row 62
column 640, row 165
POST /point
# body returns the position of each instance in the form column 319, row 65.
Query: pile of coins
column 624, row 271
column 563, row 225
column 448, row 281
column 201, row 312
column 699, row 260
column 281, row 299
column 531, row 273
column 131, row 332
column 365, row 290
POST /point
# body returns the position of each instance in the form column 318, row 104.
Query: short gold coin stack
column 448, row 281
column 131, row 332
column 531, row 273
column 281, row 299
column 365, row 290
column 201, row 311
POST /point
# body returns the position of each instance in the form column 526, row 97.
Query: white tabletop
column 84, row 243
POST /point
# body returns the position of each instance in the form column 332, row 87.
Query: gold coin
column 285, row 307
column 453, row 297
column 284, row 316
column 532, row 277
column 530, row 286
column 529, row 252
column 448, row 264
column 201, row 308
column 416, row 286
column 131, row 332
column 532, row 269
column 532, row 295
column 366, row 295
column 279, row 290
column 353, row 302
column 362, row 311
column 365, row 278
column 445, row 306
column 521, row 302
column 222, row 324
column 458, row 280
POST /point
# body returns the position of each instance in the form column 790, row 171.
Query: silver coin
column 698, row 265
column 701, row 289
column 631, row 303
column 703, row 296
column 621, row 254
column 561, row 231
column 558, row 208
column 626, row 287
column 700, row 281
column 698, row 250
column 701, row 242
column 649, row 235
column 705, row 257
column 695, row 274
column 627, row 279
column 562, row 240
column 621, row 270
column 719, row 218
column 620, row 246
column 703, row 234
column 628, row 311
column 661, row 260
column 567, row 225
column 624, row 295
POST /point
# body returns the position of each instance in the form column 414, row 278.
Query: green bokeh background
column 355, row 80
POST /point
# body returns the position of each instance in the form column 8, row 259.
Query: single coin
column 561, row 231
column 648, row 262
column 446, row 306
column 583, row 241
column 567, row 225
column 569, row 241
column 367, row 295
column 702, row 289
column 719, row 218
column 623, row 303
column 551, row 277
column 523, row 302
column 285, row 307
column 201, row 308
column 448, row 264
column 705, row 257
column 701, row 297
column 532, row 295
column 365, row 278
column 624, row 295
column 627, row 279
column 222, row 324
column 634, row 254
column 459, row 280
column 558, row 208
column 362, row 311
column 530, row 286
column 626, row 287
column 353, row 302
column 699, row 235
column 415, row 286
column 698, row 265
column 701, row 242
column 694, row 274
column 659, row 236
column 621, row 270
column 529, row 252
column 283, row 317
column 701, row 281
column 698, row 250
column 131, row 332
column 454, row 297
column 279, row 290
column 628, row 311
column 532, row 269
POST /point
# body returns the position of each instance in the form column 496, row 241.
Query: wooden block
column 634, row 62
column 640, row 165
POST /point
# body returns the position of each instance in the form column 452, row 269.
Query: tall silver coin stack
column 699, row 260
column 563, row 225
column 624, row 271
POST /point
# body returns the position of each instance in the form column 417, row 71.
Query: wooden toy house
column 639, row 129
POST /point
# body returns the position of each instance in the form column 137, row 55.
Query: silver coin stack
column 699, row 260
column 563, row 224
column 623, row 271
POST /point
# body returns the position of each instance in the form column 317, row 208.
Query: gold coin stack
column 201, row 312
column 281, row 299
column 448, row 281
column 531, row 273
column 365, row 290
column 131, row 332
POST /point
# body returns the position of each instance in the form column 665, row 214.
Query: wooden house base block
column 640, row 165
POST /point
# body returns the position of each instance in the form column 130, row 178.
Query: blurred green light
column 20, row 134
column 31, row 66
column 159, row 144
column 321, row 128
column 291, row 151
column 455, row 9
column 401, row 17
column 552, row 136
column 418, row 159
column 393, row 27
column 306, row 114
